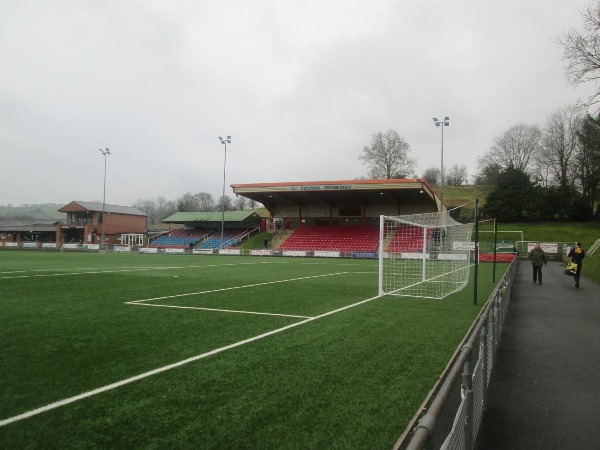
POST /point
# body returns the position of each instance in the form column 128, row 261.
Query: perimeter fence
column 451, row 416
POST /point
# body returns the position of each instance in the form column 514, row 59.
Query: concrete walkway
column 545, row 389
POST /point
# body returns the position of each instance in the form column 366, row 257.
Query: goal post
column 423, row 255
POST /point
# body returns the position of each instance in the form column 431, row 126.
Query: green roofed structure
column 201, row 229
column 212, row 219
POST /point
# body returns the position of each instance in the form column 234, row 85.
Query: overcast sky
column 299, row 85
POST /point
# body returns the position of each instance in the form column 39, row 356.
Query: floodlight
column 444, row 123
column 105, row 153
column 224, row 142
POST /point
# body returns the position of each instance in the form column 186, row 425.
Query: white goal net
column 423, row 255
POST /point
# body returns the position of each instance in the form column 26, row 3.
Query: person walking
column 577, row 254
column 538, row 259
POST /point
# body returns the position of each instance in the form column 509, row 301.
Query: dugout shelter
column 340, row 202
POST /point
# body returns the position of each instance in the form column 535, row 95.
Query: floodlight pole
column 224, row 142
column 105, row 152
column 476, row 252
column 442, row 123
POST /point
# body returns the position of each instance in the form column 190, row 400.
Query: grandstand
column 230, row 239
column 340, row 216
column 201, row 238
column 407, row 239
column 352, row 238
column 180, row 238
column 203, row 229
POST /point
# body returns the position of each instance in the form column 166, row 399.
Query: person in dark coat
column 538, row 259
column 577, row 254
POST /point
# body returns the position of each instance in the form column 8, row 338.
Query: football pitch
column 214, row 352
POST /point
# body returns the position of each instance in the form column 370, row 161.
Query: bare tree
column 240, row 203
column 587, row 162
column 148, row 207
column 388, row 156
column 514, row 148
column 187, row 203
column 457, row 175
column 252, row 204
column 432, row 175
column 165, row 208
column 228, row 204
column 556, row 161
column 205, row 201
column 581, row 50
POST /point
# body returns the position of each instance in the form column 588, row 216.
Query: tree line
column 535, row 173
column 160, row 208
column 552, row 173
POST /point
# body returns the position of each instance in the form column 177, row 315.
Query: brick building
column 86, row 223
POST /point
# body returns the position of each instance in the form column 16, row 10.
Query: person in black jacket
column 577, row 254
column 538, row 259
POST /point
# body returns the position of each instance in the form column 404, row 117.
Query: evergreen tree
column 511, row 198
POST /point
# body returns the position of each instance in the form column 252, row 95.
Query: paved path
column 545, row 389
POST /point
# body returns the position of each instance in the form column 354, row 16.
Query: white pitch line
column 46, row 275
column 266, row 283
column 220, row 310
column 94, row 271
column 141, row 376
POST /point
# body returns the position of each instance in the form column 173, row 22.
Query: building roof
column 29, row 225
column 77, row 206
column 398, row 191
column 212, row 217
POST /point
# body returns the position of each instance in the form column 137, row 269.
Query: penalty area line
column 109, row 387
column 266, row 283
column 233, row 311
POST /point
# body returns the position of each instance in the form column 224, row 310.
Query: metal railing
column 594, row 247
column 466, row 381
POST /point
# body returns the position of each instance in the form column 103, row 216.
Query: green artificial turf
column 327, row 377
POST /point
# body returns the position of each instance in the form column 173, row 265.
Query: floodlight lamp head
column 435, row 119
column 107, row 151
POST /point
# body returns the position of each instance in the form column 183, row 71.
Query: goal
column 423, row 255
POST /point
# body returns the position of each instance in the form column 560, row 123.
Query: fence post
column 485, row 371
column 467, row 387
column 497, row 322
column 491, row 332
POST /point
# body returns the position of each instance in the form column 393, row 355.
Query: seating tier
column 333, row 238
